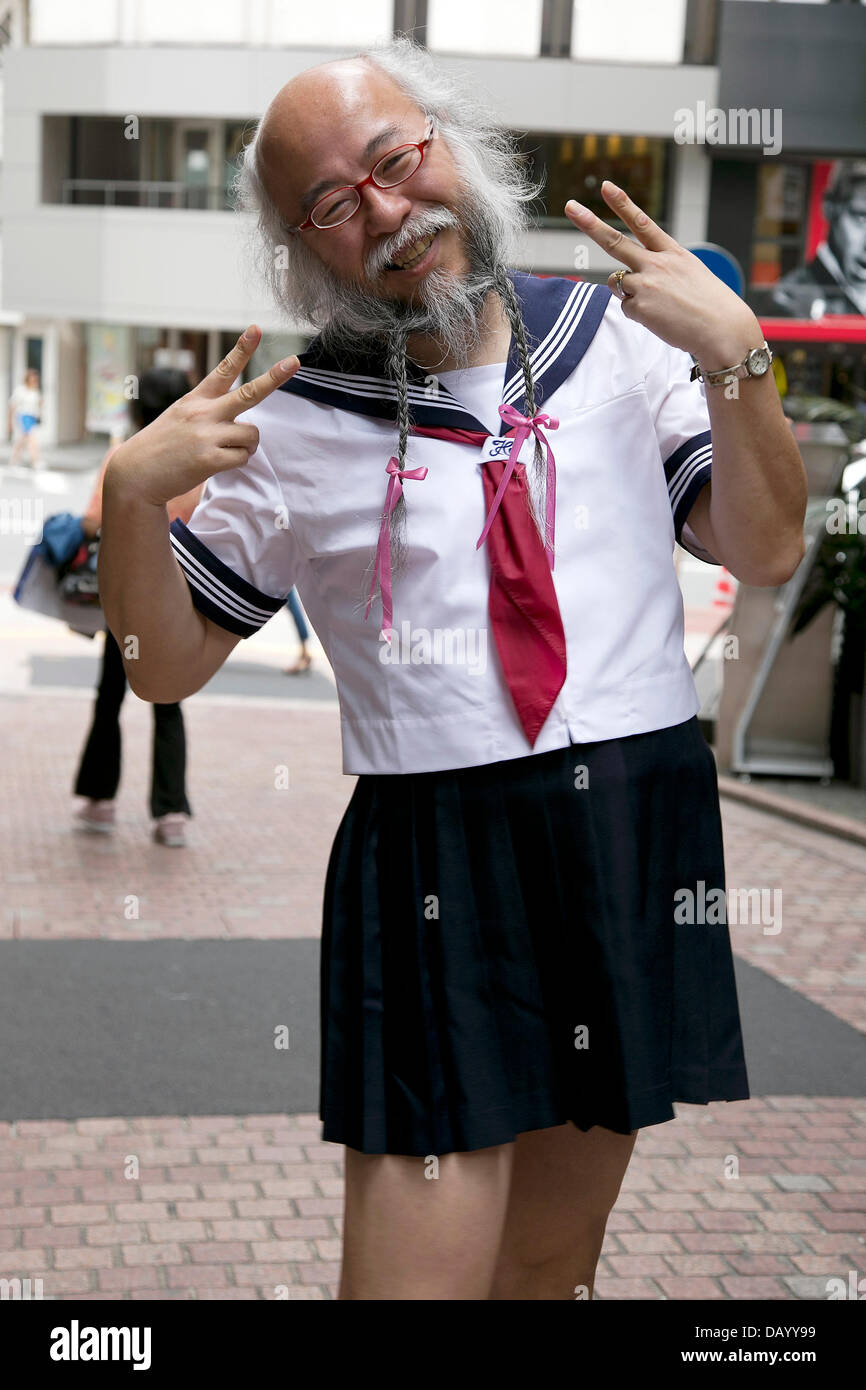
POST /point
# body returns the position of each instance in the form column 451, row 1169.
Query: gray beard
column 447, row 308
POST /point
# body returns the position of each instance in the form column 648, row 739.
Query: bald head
column 329, row 92
column 324, row 116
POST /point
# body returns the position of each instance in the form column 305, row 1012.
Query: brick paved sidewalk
column 231, row 1207
column 250, row 1208
column 820, row 950
column 258, row 848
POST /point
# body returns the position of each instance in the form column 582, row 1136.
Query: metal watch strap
column 738, row 372
column 719, row 378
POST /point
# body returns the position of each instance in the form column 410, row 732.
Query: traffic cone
column 725, row 591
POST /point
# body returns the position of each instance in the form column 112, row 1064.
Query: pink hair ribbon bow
column 382, row 568
column 523, row 426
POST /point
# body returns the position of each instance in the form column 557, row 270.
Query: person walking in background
column 98, row 774
column 304, row 661
column 25, row 413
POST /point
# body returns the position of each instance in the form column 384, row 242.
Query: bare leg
column 563, row 1186
column 410, row 1236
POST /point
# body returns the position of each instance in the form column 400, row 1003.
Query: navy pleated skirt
column 501, row 949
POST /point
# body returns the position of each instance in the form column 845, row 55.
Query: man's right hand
column 198, row 435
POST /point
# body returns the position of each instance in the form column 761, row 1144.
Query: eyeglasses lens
column 393, row 168
column 397, row 166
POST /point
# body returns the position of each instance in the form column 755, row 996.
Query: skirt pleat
column 500, row 951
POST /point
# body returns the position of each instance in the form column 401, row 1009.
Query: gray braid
column 535, row 490
column 395, row 366
column 505, row 290
column 395, row 363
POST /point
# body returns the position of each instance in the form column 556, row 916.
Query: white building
column 122, row 119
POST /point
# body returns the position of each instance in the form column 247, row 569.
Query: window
column 575, row 166
column 157, row 136
column 172, row 163
column 491, row 27
column 780, row 211
column 56, row 21
column 347, row 23
column 194, row 21
column 101, row 163
column 628, row 31
column 236, row 135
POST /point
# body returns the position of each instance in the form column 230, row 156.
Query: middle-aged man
column 834, row 281
column 523, row 957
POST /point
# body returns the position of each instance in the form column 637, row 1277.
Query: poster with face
column 833, row 280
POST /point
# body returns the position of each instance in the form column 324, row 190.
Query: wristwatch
column 755, row 363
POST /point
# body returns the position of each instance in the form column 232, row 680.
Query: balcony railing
column 144, row 193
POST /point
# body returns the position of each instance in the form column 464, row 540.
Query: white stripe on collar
column 378, row 388
column 552, row 345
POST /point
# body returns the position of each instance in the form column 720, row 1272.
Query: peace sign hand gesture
column 198, row 435
column 667, row 289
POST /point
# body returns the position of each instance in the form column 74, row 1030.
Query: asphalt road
column 100, row 1028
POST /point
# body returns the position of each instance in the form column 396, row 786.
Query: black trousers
column 99, row 771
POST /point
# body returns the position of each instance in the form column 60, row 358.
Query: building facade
column 795, row 218
column 123, row 120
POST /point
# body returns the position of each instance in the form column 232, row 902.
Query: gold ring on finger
column 618, row 277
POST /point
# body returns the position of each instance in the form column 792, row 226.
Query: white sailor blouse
column 632, row 450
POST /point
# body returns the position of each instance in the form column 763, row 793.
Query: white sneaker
column 170, row 830
column 96, row 816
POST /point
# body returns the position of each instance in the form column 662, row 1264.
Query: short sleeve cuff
column 221, row 595
column 688, row 470
column 689, row 541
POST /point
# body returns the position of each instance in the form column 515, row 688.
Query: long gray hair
column 495, row 194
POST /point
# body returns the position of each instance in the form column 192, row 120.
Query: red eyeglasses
column 395, row 167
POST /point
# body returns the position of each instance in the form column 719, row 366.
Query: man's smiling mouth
column 413, row 254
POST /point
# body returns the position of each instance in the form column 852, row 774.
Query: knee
column 561, row 1269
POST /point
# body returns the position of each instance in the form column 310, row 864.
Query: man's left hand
column 669, row 290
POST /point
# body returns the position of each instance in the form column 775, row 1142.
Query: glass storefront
column 575, row 166
column 780, row 222
column 807, row 278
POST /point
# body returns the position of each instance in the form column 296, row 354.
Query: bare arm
column 751, row 516
column 169, row 649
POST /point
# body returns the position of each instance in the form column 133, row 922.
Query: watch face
column 758, row 361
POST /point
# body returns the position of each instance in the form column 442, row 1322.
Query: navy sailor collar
column 561, row 318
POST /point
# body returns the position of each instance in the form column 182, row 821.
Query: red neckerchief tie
column 524, row 612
